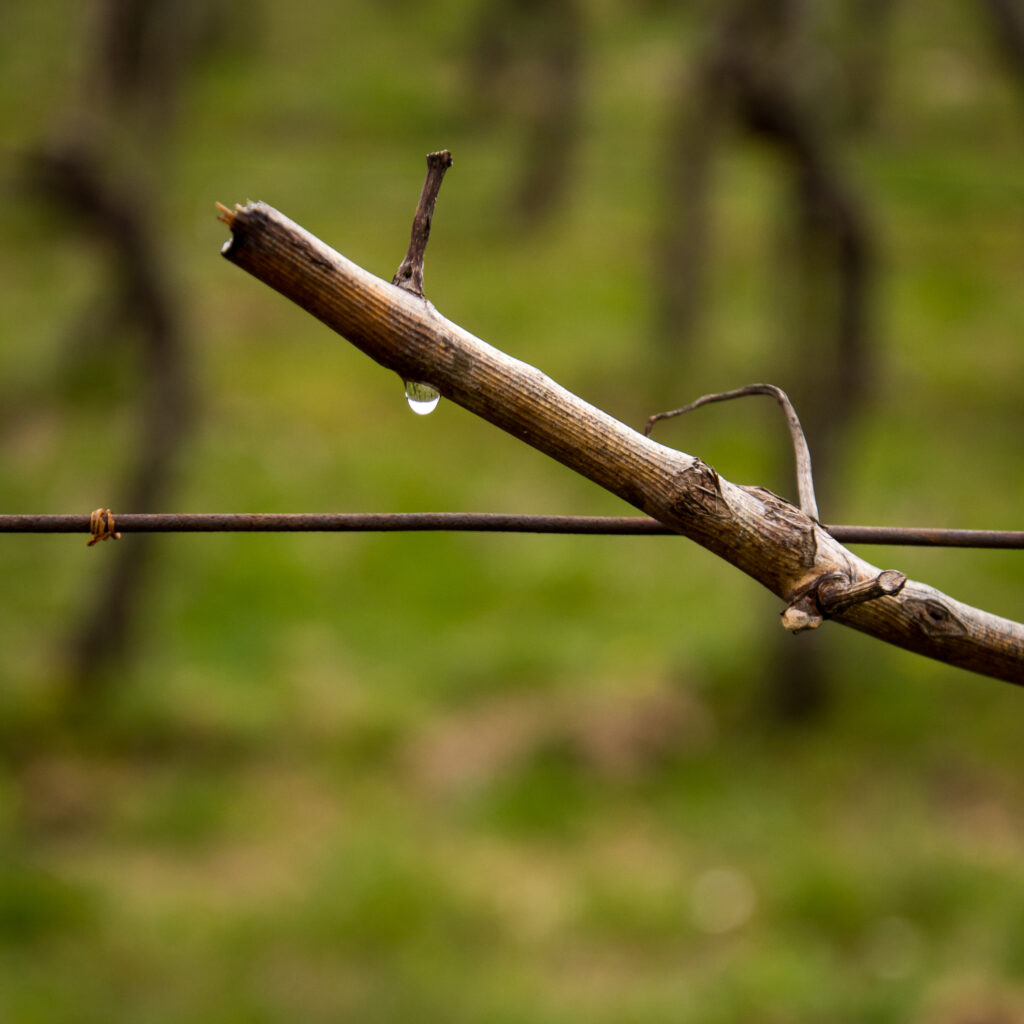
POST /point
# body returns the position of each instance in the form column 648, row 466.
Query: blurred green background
column 449, row 777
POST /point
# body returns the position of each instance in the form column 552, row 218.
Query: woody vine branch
column 766, row 537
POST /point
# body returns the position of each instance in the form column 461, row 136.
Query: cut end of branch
column 226, row 216
column 442, row 159
column 890, row 581
column 229, row 217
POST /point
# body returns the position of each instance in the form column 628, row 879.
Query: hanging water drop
column 422, row 398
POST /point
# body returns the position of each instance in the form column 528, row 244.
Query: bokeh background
column 448, row 777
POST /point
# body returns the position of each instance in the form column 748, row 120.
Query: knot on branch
column 835, row 592
column 797, row 524
column 934, row 619
column 700, row 493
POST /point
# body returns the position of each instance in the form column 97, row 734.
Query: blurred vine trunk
column 147, row 307
column 863, row 33
column 760, row 71
column 527, row 67
column 104, row 164
column 682, row 245
column 1006, row 18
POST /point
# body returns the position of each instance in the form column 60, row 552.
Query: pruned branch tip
column 410, row 272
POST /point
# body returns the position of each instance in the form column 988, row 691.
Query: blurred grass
column 496, row 778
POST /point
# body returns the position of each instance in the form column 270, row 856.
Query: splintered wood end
column 225, row 215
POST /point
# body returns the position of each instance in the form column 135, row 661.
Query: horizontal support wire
column 480, row 522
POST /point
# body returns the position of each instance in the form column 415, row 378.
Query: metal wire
column 485, row 522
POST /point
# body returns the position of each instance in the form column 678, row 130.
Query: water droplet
column 422, row 398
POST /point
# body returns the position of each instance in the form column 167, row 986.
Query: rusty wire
column 485, row 522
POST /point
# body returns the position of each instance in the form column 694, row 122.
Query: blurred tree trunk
column 683, row 243
column 104, row 164
column 865, row 30
column 527, row 65
column 758, row 71
column 1007, row 21
column 147, row 304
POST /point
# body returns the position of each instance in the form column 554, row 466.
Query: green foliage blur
column 502, row 778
